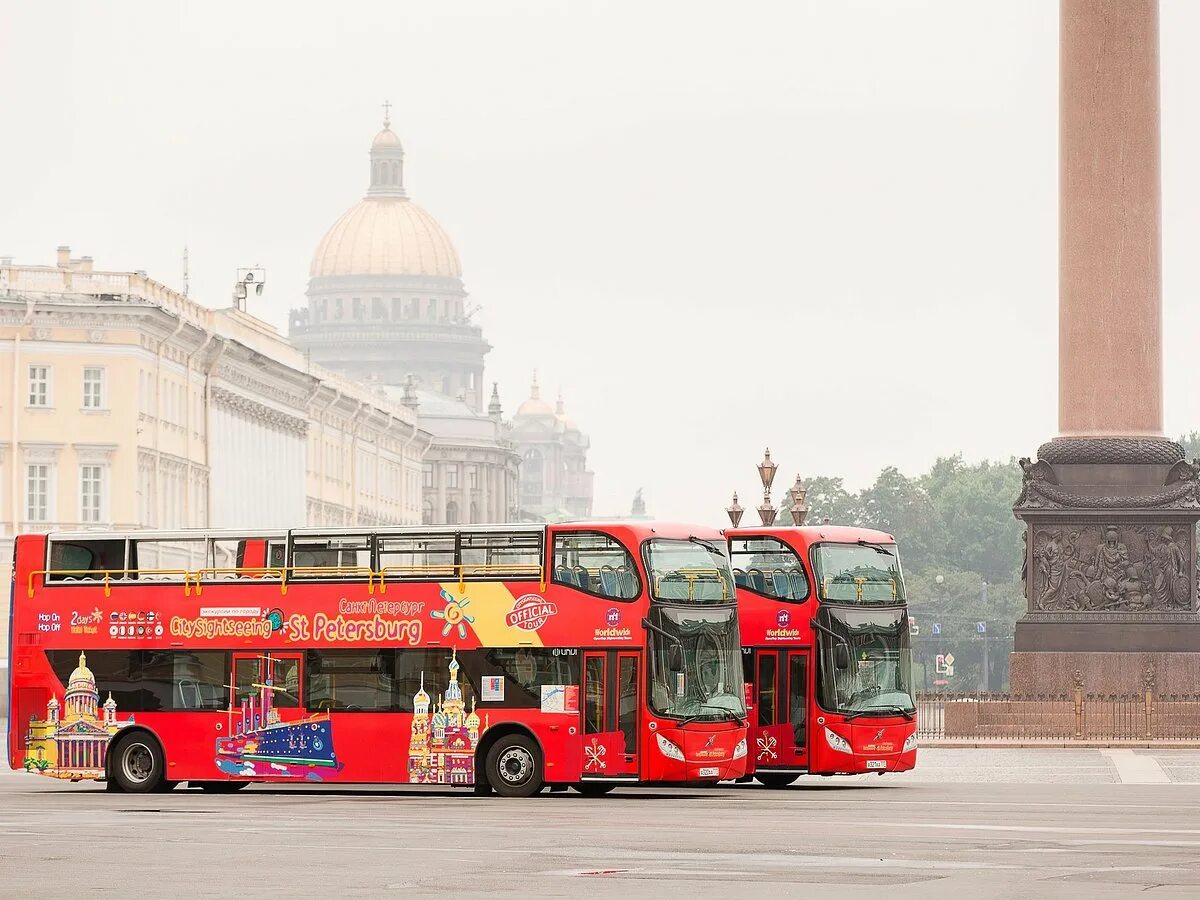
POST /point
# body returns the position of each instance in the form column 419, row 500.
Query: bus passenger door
column 797, row 707
column 772, row 740
column 610, row 714
column 266, row 688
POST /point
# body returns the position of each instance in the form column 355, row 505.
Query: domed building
column 386, row 305
column 385, row 292
column 555, row 483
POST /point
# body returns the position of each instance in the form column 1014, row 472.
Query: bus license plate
column 709, row 772
column 876, row 763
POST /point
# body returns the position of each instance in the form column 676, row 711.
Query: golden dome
column 386, row 233
column 386, row 236
column 386, row 138
column 82, row 674
column 535, row 405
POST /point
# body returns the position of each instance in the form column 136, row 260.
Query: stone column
column 1110, row 297
column 1110, row 505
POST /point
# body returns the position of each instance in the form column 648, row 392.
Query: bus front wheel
column 138, row 764
column 514, row 766
column 775, row 779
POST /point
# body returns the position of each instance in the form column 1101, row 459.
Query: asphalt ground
column 967, row 823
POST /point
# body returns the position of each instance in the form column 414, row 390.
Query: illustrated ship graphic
column 260, row 744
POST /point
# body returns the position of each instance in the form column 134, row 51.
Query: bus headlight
column 837, row 742
column 669, row 750
column 740, row 750
column 910, row 743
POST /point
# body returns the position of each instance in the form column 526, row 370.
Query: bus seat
column 740, row 579
column 758, row 581
column 796, row 577
column 608, row 581
column 779, row 581
column 565, row 575
column 582, row 578
column 628, row 582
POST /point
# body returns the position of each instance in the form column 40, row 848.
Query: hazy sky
column 829, row 227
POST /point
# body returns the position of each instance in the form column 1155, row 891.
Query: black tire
column 514, row 766
column 138, row 764
column 775, row 780
column 593, row 788
column 219, row 787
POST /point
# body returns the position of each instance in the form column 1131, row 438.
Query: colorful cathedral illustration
column 442, row 747
column 75, row 745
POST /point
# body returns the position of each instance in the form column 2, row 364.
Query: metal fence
column 1077, row 716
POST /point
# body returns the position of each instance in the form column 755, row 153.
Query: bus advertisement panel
column 825, row 646
column 499, row 657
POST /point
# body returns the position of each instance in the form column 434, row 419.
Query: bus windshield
column 709, row 687
column 858, row 573
column 689, row 571
column 877, row 675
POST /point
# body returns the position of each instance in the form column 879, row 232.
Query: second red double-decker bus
column 504, row 657
column 825, row 638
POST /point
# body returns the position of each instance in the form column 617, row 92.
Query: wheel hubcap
column 137, row 763
column 516, row 765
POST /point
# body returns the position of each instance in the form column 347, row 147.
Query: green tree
column 826, row 498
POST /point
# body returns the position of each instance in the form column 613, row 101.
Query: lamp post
column 735, row 511
column 798, row 492
column 254, row 278
column 766, row 473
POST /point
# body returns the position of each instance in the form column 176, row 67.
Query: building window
column 451, row 513
column 93, row 387
column 37, row 492
column 452, row 479
column 427, row 475
column 91, row 486
column 39, row 386
column 377, row 311
column 337, row 308
column 473, row 477
column 427, row 512
column 431, row 309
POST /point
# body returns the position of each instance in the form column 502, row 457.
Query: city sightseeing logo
column 612, row 630
column 530, row 612
column 781, row 631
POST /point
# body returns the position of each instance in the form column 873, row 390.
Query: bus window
column 157, row 559
column 418, row 556
column 596, row 563
column 768, row 566
column 90, row 558
column 352, row 680
column 508, row 555
column 349, row 556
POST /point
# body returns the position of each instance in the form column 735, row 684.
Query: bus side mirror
column 841, row 657
column 675, row 658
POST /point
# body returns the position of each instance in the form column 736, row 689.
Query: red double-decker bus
column 825, row 643
column 500, row 657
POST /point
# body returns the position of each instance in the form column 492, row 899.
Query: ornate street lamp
column 798, row 492
column 735, row 511
column 766, row 472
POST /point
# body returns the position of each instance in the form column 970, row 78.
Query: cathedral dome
column 82, row 678
column 386, row 233
column 535, row 405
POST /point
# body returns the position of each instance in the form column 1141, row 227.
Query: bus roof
column 842, row 534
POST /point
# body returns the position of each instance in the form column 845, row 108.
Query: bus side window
column 90, row 559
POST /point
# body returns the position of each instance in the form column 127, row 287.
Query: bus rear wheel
column 219, row 787
column 514, row 766
column 593, row 788
column 775, row 779
column 138, row 764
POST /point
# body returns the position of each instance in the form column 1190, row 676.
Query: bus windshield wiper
column 711, row 548
column 878, row 548
column 733, row 717
column 899, row 710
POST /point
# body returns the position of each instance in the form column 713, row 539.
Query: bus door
column 267, row 687
column 780, row 733
column 610, row 714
